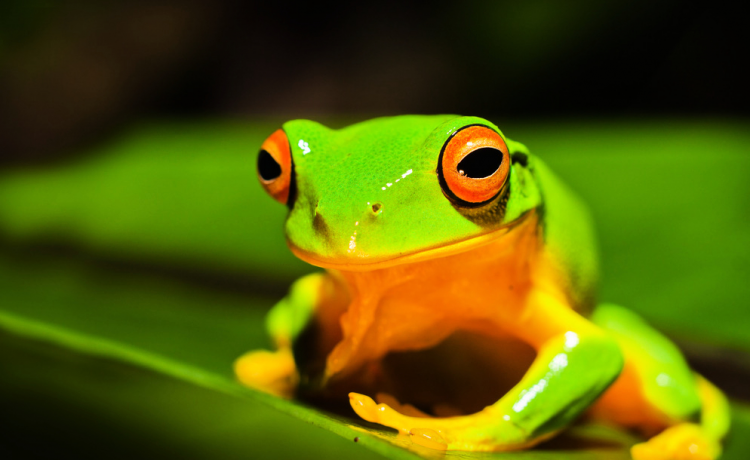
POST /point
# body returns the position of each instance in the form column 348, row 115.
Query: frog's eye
column 474, row 165
column 275, row 166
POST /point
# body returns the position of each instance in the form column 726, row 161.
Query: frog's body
column 499, row 262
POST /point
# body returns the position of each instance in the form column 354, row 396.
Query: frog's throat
column 427, row 254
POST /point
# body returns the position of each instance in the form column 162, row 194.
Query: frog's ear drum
column 275, row 166
column 474, row 165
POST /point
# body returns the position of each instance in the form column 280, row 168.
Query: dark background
column 73, row 72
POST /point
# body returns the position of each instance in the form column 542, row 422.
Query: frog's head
column 390, row 190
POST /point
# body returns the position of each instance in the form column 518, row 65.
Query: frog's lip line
column 433, row 253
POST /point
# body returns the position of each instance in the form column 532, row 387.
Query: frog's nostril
column 318, row 208
column 376, row 208
column 319, row 222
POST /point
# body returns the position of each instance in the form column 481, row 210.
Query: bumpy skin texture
column 411, row 268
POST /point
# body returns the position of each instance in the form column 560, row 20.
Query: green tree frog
column 458, row 302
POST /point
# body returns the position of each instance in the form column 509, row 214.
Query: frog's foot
column 478, row 432
column 685, row 441
column 267, row 371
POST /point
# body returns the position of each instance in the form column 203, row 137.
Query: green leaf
column 81, row 406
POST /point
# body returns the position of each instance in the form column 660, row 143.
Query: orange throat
column 480, row 287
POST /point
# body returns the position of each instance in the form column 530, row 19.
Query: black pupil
column 481, row 163
column 267, row 166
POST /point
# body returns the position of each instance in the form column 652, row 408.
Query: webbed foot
column 685, row 441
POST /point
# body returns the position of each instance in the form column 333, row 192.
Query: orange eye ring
column 474, row 165
column 275, row 166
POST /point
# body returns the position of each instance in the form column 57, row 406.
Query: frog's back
column 569, row 238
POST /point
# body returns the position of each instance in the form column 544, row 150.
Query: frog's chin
column 367, row 263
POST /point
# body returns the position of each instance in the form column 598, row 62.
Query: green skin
column 341, row 174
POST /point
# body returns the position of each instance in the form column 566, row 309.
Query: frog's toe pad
column 270, row 372
column 686, row 441
column 366, row 408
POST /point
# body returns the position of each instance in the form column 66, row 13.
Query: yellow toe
column 685, row 441
column 270, row 372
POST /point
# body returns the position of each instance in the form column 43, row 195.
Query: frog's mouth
column 375, row 263
column 461, row 375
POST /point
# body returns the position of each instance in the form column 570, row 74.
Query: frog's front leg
column 576, row 362
column 311, row 298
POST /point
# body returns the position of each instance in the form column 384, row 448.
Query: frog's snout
column 316, row 208
column 338, row 231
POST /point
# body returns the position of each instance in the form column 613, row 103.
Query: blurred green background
column 138, row 255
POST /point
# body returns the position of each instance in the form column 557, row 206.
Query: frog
column 458, row 303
